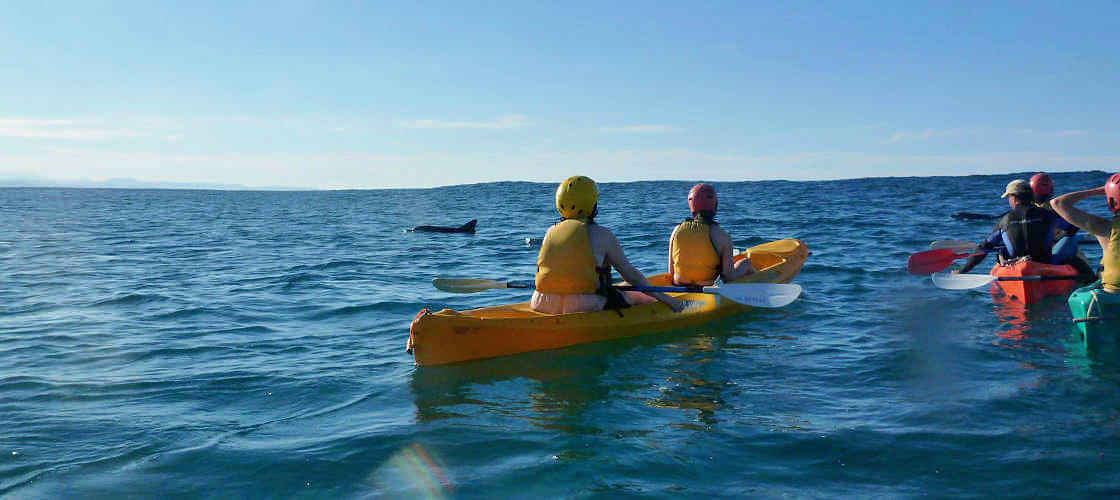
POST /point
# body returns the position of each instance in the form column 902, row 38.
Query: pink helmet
column 702, row 197
column 1112, row 191
column 1042, row 186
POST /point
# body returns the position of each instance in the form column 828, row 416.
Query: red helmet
column 1112, row 191
column 1042, row 186
column 702, row 197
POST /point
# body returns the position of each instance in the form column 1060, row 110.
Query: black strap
column 616, row 301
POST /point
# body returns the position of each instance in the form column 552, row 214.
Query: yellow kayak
column 450, row 336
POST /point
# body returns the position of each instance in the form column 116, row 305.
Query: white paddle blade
column 956, row 246
column 961, row 281
column 466, row 285
column 758, row 294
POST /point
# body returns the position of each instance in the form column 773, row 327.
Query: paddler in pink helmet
column 1065, row 234
column 699, row 250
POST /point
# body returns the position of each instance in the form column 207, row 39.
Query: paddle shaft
column 636, row 288
column 1034, row 278
column 477, row 285
column 690, row 289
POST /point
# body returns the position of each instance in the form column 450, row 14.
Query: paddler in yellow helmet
column 699, row 250
column 576, row 257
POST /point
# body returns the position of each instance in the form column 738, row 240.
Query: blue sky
column 396, row 94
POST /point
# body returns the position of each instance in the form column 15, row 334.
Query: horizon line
column 138, row 184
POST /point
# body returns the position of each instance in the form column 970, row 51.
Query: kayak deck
column 1030, row 292
column 450, row 336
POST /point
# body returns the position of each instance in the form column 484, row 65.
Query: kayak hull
column 450, row 336
column 1096, row 313
column 1030, row 292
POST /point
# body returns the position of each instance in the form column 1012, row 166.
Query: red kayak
column 1031, row 291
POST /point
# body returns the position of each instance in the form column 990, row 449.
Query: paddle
column 469, row 285
column 932, row 261
column 965, row 246
column 967, row 281
column 751, row 294
column 957, row 246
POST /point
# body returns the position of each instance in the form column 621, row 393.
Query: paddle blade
column 956, row 246
column 468, row 285
column 758, row 294
column 961, row 281
column 932, row 261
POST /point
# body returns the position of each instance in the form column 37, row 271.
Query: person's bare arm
column 1064, row 205
column 728, row 270
column 617, row 258
column 672, row 269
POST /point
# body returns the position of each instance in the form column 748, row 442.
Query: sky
column 360, row 95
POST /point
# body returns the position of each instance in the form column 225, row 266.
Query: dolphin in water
column 972, row 216
column 465, row 228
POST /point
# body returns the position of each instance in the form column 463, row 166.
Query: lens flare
column 413, row 472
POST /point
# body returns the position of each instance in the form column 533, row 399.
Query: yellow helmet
column 576, row 197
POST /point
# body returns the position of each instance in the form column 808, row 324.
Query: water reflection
column 1020, row 323
column 556, row 389
column 1097, row 359
column 1035, row 326
column 563, row 383
column 687, row 387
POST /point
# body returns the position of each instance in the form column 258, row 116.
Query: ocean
column 243, row 344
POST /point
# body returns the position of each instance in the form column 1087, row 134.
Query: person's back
column 1065, row 241
column 699, row 250
column 577, row 255
column 693, row 256
column 567, row 263
column 1028, row 231
column 1025, row 231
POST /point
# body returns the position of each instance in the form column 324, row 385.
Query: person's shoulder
column 597, row 230
column 1038, row 211
column 720, row 234
column 1004, row 219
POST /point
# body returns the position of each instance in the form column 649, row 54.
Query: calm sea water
column 162, row 343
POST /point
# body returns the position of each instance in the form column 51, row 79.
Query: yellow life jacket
column 695, row 260
column 1110, row 276
column 566, row 264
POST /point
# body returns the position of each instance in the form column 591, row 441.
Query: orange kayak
column 450, row 336
column 1031, row 291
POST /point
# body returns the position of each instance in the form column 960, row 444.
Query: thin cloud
column 59, row 129
column 640, row 129
column 922, row 135
column 502, row 122
column 926, row 134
